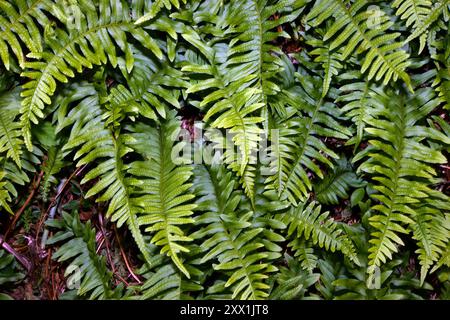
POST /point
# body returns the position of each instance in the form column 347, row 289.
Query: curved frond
column 361, row 29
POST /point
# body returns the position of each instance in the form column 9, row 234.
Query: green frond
column 415, row 12
column 336, row 184
column 432, row 235
column 156, row 7
column 304, row 254
column 228, row 236
column 19, row 25
column 421, row 25
column 400, row 164
column 329, row 59
column 297, row 146
column 94, row 142
column 51, row 166
column 356, row 29
column 5, row 197
column 10, row 134
column 93, row 42
column 86, row 270
column 358, row 103
column 162, row 186
column 311, row 223
column 444, row 260
column 241, row 73
column 140, row 98
column 292, row 281
column 165, row 282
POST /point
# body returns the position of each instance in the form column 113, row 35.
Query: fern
column 241, row 75
column 225, row 137
column 91, row 44
column 292, row 282
column 298, row 145
column 51, row 167
column 335, row 186
column 163, row 191
column 165, row 282
column 10, row 135
column 415, row 12
column 85, row 265
column 310, row 222
column 400, row 163
column 21, row 25
column 384, row 59
column 230, row 238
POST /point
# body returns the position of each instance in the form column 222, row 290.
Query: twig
column 122, row 252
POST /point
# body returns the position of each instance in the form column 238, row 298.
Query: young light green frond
column 421, row 26
column 19, row 25
column 415, row 12
column 94, row 41
column 163, row 189
column 362, row 29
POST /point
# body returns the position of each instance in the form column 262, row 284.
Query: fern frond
column 95, row 142
column 51, row 166
column 329, row 59
column 228, row 236
column 10, row 134
column 156, row 7
column 241, row 73
column 304, row 254
column 415, row 12
column 85, row 266
column 19, row 24
column 336, row 184
column 311, row 223
column 357, row 96
column 166, row 282
column 422, row 24
column 292, row 282
column 401, row 166
column 93, row 43
column 162, row 188
column 298, row 147
column 353, row 31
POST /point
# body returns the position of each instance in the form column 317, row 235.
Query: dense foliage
column 235, row 149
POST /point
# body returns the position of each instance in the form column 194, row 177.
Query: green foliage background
column 353, row 97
